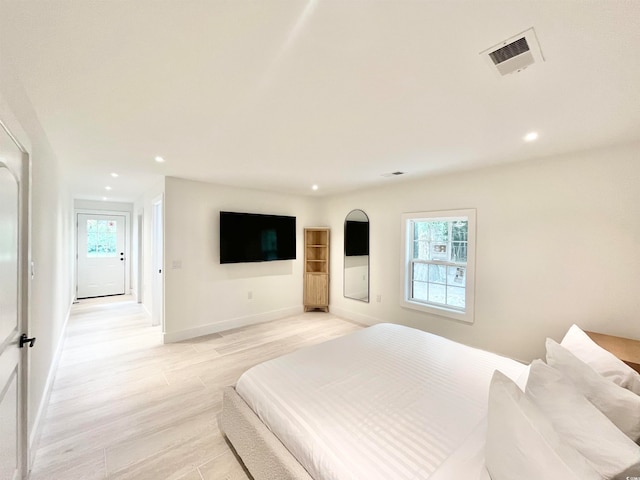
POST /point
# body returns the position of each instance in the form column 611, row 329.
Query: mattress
column 385, row 402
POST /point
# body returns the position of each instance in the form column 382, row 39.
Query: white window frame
column 466, row 315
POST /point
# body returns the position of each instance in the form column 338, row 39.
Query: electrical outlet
column 378, row 298
column 249, row 295
column 176, row 264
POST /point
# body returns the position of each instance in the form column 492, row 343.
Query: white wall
column 51, row 292
column 558, row 242
column 203, row 296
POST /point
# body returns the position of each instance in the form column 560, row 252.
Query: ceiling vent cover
column 515, row 54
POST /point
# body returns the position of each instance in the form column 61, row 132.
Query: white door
column 12, row 378
column 101, row 255
column 158, row 261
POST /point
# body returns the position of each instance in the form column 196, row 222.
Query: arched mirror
column 356, row 256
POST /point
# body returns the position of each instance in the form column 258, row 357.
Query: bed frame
column 260, row 450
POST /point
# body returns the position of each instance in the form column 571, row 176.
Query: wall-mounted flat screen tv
column 252, row 237
column 358, row 235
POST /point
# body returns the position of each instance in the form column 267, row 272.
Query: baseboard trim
column 172, row 337
column 360, row 318
column 36, row 431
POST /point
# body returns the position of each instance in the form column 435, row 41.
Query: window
column 101, row 238
column 438, row 262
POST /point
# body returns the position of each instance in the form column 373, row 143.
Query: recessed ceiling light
column 114, row 175
column 104, row 198
column 315, row 187
column 159, row 159
column 531, row 136
column 107, row 188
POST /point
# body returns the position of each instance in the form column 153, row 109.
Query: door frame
column 157, row 261
column 23, row 178
column 138, row 254
column 127, row 245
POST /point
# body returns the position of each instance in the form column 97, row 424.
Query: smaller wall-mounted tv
column 252, row 237
column 358, row 235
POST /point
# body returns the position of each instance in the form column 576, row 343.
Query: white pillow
column 579, row 423
column 620, row 405
column 602, row 361
column 522, row 444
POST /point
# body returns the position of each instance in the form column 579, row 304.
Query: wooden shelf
column 316, row 269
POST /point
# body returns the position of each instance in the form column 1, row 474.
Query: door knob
column 24, row 340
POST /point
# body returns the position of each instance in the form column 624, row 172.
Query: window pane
column 437, row 293
column 439, row 231
column 440, row 251
column 459, row 230
column 420, row 271
column 456, row 296
column 91, row 243
column 432, row 231
column 111, row 244
column 421, row 250
column 455, row 276
column 438, row 273
column 101, row 238
column 420, row 231
column 459, row 252
column 419, row 291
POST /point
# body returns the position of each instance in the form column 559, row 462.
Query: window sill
column 466, row 317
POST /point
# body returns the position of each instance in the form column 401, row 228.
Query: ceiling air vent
column 515, row 54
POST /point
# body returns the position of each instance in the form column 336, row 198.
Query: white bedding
column 386, row 402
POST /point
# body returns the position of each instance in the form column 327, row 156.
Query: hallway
column 125, row 406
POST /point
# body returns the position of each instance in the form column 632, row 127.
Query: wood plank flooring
column 124, row 406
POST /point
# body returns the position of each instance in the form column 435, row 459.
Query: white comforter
column 386, row 402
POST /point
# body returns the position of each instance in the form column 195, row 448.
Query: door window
column 101, row 238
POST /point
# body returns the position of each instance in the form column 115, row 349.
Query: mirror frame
column 344, row 268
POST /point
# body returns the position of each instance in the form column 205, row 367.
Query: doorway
column 101, row 255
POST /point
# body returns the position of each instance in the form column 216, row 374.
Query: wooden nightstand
column 625, row 349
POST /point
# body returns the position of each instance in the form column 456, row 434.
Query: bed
column 385, row 402
column 325, row 404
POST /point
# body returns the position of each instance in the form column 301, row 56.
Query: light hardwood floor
column 124, row 406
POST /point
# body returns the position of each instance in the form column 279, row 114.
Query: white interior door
column 101, row 255
column 158, row 264
column 12, row 412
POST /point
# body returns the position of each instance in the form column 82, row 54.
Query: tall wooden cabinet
column 316, row 269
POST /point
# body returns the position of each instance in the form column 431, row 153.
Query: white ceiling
column 283, row 94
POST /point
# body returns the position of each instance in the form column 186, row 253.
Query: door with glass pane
column 101, row 255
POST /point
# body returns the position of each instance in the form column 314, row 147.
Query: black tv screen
column 357, row 234
column 251, row 237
